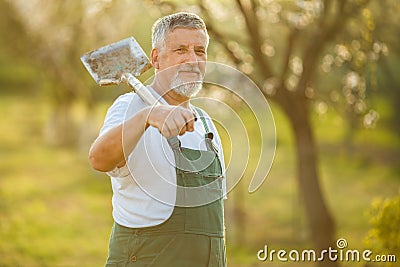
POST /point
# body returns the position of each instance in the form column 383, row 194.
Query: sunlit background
column 329, row 69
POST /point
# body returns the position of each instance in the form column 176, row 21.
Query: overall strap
column 174, row 143
column 203, row 119
column 209, row 136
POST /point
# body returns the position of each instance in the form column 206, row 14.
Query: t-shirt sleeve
column 115, row 114
column 114, row 117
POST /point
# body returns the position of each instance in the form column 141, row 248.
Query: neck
column 169, row 95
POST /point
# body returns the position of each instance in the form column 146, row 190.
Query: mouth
column 189, row 74
column 189, row 69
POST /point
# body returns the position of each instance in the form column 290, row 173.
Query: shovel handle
column 141, row 90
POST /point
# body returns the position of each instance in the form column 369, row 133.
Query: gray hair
column 169, row 23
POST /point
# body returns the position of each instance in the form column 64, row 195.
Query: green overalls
column 192, row 236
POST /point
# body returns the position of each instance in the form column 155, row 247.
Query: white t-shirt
column 144, row 190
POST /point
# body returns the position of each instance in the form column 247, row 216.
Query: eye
column 181, row 50
column 200, row 51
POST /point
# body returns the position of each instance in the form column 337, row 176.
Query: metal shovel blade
column 108, row 64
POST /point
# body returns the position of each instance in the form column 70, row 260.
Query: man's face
column 181, row 62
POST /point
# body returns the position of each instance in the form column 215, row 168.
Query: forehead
column 185, row 36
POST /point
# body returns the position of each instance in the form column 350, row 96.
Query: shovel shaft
column 141, row 90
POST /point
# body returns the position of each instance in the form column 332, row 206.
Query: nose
column 192, row 56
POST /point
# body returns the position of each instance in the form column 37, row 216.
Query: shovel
column 120, row 62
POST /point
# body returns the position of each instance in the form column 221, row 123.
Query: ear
column 154, row 58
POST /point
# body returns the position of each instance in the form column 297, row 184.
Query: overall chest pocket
column 205, row 192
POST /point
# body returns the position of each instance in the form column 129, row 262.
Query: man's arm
column 107, row 152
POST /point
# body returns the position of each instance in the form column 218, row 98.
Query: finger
column 180, row 125
column 168, row 130
column 189, row 121
column 183, row 130
column 173, row 123
column 190, row 125
column 183, row 121
column 177, row 122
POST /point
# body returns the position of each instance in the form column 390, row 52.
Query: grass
column 56, row 211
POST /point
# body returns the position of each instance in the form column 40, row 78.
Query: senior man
column 145, row 150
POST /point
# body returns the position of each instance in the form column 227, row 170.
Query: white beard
column 188, row 89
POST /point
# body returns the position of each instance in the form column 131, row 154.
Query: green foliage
column 385, row 221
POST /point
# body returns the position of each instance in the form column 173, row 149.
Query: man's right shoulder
column 127, row 97
column 123, row 106
column 128, row 103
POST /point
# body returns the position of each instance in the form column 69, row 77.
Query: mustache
column 189, row 68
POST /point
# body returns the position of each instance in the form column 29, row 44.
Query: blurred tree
column 8, row 21
column 12, row 47
column 356, row 55
column 387, row 15
column 53, row 58
column 283, row 46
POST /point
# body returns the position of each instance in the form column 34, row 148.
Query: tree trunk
column 61, row 127
column 320, row 221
